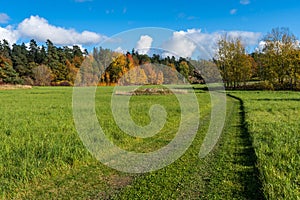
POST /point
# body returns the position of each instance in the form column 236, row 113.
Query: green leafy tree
column 235, row 65
column 32, row 54
column 183, row 69
column 7, row 72
column 117, row 68
column 5, row 50
column 53, row 61
column 295, row 70
column 41, row 56
column 278, row 59
column 20, row 60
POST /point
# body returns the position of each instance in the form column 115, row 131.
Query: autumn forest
column 275, row 66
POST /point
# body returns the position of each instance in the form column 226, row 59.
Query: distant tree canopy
column 51, row 65
column 277, row 64
column 279, row 60
column 35, row 65
column 235, row 64
column 105, row 67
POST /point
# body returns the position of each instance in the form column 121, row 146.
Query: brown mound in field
column 14, row 87
column 152, row 91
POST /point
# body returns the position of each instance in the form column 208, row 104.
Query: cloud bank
column 9, row 34
column 180, row 44
column 38, row 28
column 186, row 43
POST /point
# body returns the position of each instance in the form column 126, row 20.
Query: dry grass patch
column 14, row 87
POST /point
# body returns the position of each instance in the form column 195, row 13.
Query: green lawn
column 42, row 156
column 273, row 120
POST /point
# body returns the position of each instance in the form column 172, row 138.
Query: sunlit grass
column 273, row 120
column 40, row 147
column 42, row 155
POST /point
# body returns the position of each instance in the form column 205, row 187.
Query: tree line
column 59, row 66
column 275, row 66
column 106, row 67
column 39, row 65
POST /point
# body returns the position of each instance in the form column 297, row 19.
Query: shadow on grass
column 283, row 99
column 250, row 176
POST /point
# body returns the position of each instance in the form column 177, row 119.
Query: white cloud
column 180, row 44
column 120, row 50
column 9, row 34
column 247, row 38
column 4, row 18
column 233, row 11
column 261, row 46
column 144, row 44
column 245, row 2
column 186, row 43
column 39, row 29
column 79, row 45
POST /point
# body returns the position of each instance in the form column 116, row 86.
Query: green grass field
column 273, row 120
column 42, row 156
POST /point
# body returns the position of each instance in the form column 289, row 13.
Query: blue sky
column 88, row 22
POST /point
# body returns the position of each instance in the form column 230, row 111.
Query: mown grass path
column 234, row 173
column 229, row 172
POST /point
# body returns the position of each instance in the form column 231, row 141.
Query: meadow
column 272, row 119
column 42, row 156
